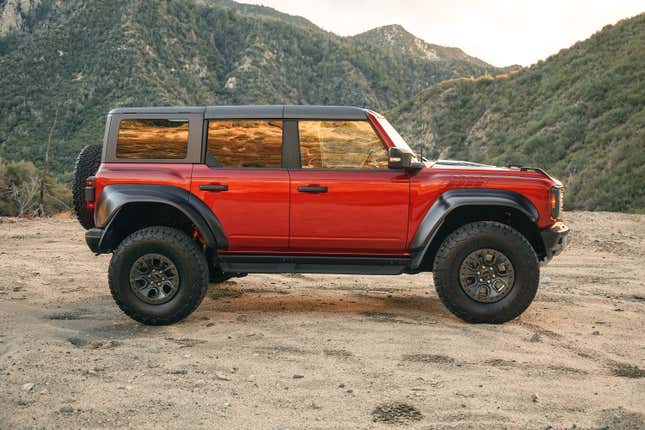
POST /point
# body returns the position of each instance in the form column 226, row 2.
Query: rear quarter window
column 153, row 139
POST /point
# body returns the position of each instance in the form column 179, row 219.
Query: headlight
column 556, row 198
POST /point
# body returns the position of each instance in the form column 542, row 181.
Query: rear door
column 344, row 199
column 243, row 182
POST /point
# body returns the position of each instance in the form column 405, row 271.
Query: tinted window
column 245, row 143
column 152, row 139
column 340, row 145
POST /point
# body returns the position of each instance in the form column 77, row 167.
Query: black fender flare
column 453, row 199
column 115, row 197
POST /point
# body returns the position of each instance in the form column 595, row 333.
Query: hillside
column 395, row 40
column 83, row 57
column 580, row 114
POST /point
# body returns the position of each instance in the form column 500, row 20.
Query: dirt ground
column 314, row 351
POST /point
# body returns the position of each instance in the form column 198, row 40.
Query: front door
column 244, row 184
column 344, row 199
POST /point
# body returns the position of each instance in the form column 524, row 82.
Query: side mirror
column 403, row 159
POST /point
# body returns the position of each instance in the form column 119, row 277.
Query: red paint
column 379, row 129
column 177, row 175
column 363, row 211
column 254, row 212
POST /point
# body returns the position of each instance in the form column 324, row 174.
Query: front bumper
column 555, row 239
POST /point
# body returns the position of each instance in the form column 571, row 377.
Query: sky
column 500, row 32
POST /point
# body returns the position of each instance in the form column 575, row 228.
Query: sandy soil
column 309, row 351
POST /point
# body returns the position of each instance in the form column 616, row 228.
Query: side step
column 312, row 264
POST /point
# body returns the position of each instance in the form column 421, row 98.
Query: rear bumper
column 93, row 239
column 555, row 239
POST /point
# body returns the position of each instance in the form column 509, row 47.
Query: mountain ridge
column 580, row 114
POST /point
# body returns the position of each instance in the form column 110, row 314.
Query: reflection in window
column 152, row 139
column 245, row 143
column 340, row 145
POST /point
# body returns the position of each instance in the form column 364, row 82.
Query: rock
column 298, row 376
column 28, row 386
column 534, row 398
column 103, row 344
column 221, row 376
column 178, row 372
column 341, row 386
column 210, row 324
column 67, row 409
column 595, row 333
column 546, row 280
column 536, row 338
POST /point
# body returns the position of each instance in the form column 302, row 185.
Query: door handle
column 214, row 187
column 312, row 189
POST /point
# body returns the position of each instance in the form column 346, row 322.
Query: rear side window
column 340, row 145
column 154, row 139
column 245, row 143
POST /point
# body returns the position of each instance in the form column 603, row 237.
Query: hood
column 479, row 166
column 458, row 163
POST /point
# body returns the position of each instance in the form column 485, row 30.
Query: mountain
column 396, row 41
column 81, row 58
column 580, row 114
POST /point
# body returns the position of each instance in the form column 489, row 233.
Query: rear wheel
column 87, row 163
column 486, row 272
column 158, row 275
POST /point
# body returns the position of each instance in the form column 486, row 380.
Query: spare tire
column 87, row 163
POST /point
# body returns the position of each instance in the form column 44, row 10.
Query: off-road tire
column 186, row 256
column 87, row 163
column 480, row 235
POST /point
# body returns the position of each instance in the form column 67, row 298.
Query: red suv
column 184, row 196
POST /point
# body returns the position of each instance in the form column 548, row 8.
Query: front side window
column 340, row 145
column 154, row 139
column 245, row 143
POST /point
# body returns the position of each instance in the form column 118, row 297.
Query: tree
column 23, row 195
column 43, row 175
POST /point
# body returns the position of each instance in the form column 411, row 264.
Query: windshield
column 399, row 142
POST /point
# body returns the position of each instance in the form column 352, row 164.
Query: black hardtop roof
column 253, row 111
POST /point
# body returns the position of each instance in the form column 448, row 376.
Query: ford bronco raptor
column 186, row 196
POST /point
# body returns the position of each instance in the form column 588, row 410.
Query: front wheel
column 486, row 272
column 158, row 275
